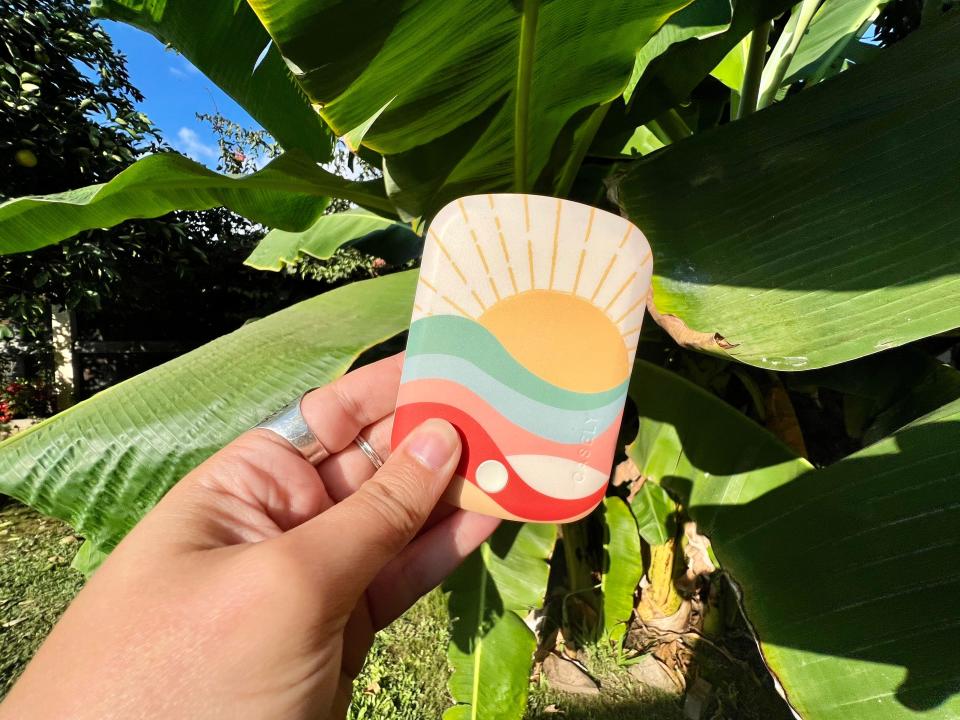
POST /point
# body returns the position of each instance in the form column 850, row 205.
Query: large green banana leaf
column 291, row 193
column 837, row 24
column 847, row 573
column 355, row 228
column 676, row 417
column 225, row 40
column 491, row 650
column 468, row 94
column 654, row 509
column 701, row 19
column 619, row 134
column 884, row 392
column 103, row 463
column 670, row 78
column 821, row 229
column 622, row 566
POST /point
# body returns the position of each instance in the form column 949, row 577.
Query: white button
column 492, row 476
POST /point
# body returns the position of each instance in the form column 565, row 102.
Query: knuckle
column 348, row 403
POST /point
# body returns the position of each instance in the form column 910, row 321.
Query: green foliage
column 832, row 38
column 290, row 192
column 840, row 568
column 815, row 232
column 66, row 98
column 118, row 452
column 281, row 248
column 36, row 584
column 791, row 278
column 702, row 428
column 242, row 150
column 409, row 71
column 406, row 671
column 654, row 509
column 623, row 566
column 672, row 77
column 697, row 20
column 491, row 649
column 224, row 40
column 83, row 128
column 67, row 118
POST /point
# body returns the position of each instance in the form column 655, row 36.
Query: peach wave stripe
column 510, row 438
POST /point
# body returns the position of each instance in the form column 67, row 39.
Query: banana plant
column 800, row 190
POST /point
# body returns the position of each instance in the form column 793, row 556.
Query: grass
column 36, row 584
column 405, row 677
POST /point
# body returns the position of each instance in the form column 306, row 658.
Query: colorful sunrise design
column 524, row 329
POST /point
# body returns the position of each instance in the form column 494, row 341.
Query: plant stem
column 751, row 76
column 587, row 132
column 783, row 53
column 669, row 127
column 521, row 125
column 583, row 626
column 576, row 548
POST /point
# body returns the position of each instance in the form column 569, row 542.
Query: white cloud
column 260, row 160
column 189, row 143
column 183, row 70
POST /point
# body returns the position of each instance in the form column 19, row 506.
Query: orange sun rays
column 495, row 240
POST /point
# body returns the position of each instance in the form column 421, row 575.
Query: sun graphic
column 558, row 284
column 559, row 336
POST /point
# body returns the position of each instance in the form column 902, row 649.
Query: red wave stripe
column 509, row 437
column 517, row 497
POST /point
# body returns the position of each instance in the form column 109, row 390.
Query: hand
column 254, row 588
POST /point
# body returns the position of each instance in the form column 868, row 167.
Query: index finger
column 338, row 411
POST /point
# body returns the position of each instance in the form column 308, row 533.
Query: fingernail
column 433, row 443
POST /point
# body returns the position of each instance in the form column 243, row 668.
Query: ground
column 36, row 584
column 406, row 674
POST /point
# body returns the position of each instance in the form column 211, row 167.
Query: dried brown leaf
column 625, row 472
column 685, row 336
column 781, row 418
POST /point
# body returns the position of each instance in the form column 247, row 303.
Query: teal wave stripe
column 557, row 424
column 461, row 337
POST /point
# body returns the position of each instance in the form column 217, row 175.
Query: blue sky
column 174, row 90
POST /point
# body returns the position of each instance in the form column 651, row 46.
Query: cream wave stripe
column 456, row 336
column 556, row 424
column 558, row 477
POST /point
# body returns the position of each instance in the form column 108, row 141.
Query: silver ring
column 368, row 450
column 288, row 422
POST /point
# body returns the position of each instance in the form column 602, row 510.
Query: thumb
column 361, row 534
